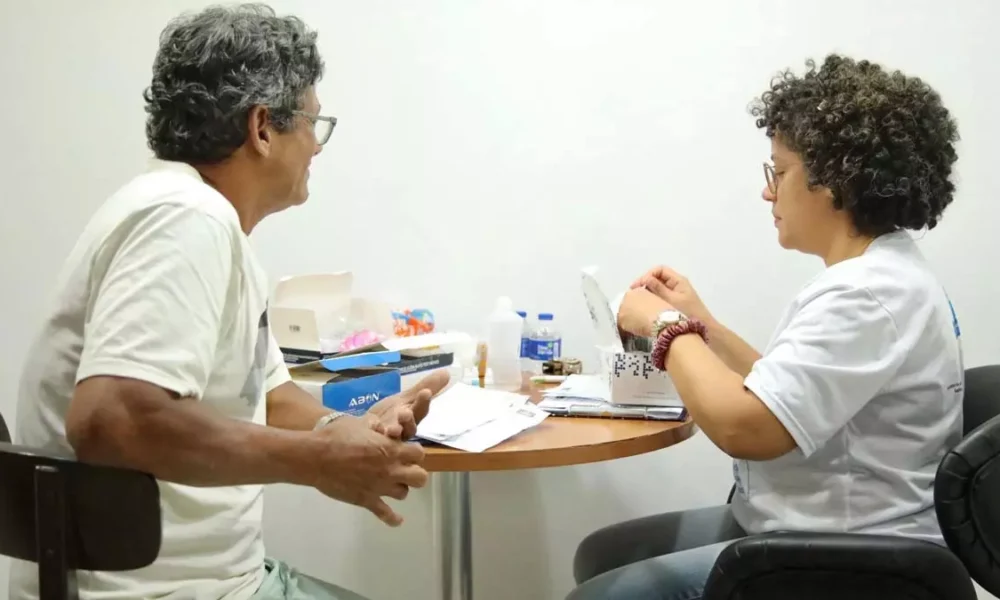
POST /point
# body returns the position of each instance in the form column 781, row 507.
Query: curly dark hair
column 881, row 141
column 213, row 66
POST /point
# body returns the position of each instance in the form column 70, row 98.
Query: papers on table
column 474, row 419
column 589, row 396
column 590, row 388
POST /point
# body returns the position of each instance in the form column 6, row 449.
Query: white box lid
column 604, row 318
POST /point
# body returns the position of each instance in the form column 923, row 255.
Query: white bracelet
column 327, row 419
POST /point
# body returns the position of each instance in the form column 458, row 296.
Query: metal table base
column 452, row 524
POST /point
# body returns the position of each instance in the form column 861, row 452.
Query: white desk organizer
column 631, row 377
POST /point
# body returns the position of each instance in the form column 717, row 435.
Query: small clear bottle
column 526, row 365
column 546, row 342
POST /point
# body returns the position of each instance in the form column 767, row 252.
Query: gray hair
column 212, row 67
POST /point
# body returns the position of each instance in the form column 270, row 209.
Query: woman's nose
column 767, row 194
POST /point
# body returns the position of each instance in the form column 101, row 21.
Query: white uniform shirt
column 865, row 372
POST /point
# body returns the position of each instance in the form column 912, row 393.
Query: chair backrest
column 982, row 396
column 967, row 485
column 67, row 515
column 4, row 432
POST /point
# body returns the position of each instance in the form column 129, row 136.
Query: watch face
column 670, row 316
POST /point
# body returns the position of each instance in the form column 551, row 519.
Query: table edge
column 557, row 457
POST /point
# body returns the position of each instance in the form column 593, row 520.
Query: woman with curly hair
column 840, row 424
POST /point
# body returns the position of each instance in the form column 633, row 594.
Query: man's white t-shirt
column 865, row 372
column 162, row 286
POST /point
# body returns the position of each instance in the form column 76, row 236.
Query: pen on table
column 548, row 379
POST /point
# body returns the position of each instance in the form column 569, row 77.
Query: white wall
column 601, row 132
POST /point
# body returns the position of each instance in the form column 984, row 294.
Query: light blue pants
column 664, row 557
column 282, row 582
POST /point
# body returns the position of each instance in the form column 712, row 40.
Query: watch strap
column 327, row 419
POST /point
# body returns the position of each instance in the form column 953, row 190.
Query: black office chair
column 67, row 515
column 821, row 566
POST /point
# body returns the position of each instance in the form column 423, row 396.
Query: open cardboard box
column 308, row 312
column 303, row 307
column 630, row 375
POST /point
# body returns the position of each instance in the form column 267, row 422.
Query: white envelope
column 474, row 419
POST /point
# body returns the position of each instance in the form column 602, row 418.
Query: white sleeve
column 836, row 353
column 158, row 309
column 276, row 371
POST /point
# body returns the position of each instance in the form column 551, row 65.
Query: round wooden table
column 556, row 441
column 559, row 441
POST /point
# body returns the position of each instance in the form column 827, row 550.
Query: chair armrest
column 966, row 493
column 796, row 565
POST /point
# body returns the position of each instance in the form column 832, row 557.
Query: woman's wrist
column 666, row 338
column 712, row 326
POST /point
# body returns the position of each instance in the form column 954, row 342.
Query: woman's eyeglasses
column 772, row 178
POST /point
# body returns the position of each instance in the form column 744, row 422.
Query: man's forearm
column 731, row 348
column 291, row 407
column 137, row 425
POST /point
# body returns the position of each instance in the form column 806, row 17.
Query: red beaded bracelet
column 668, row 335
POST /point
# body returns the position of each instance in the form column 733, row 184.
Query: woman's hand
column 674, row 289
column 639, row 310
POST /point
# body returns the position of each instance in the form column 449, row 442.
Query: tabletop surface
column 559, row 441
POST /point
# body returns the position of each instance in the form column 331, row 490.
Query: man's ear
column 259, row 131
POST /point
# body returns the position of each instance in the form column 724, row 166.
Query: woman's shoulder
column 893, row 275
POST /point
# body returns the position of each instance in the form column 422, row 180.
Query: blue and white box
column 351, row 383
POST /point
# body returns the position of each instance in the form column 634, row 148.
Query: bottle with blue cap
column 526, row 363
column 545, row 342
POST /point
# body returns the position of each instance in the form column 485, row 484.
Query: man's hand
column 397, row 416
column 360, row 466
column 638, row 311
column 674, row 289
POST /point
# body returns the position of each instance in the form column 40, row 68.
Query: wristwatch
column 327, row 419
column 666, row 319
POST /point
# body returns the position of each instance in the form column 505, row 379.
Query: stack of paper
column 475, row 419
column 583, row 388
column 590, row 396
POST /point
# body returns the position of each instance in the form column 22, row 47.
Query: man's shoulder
column 170, row 186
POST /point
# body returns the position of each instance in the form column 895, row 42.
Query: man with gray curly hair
column 157, row 354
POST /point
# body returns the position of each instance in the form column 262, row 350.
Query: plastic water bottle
column 546, row 341
column 504, row 345
column 526, row 365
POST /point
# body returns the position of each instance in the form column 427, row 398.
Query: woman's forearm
column 731, row 348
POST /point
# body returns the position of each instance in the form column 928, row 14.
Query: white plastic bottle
column 503, row 355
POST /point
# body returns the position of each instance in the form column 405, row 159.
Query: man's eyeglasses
column 323, row 126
